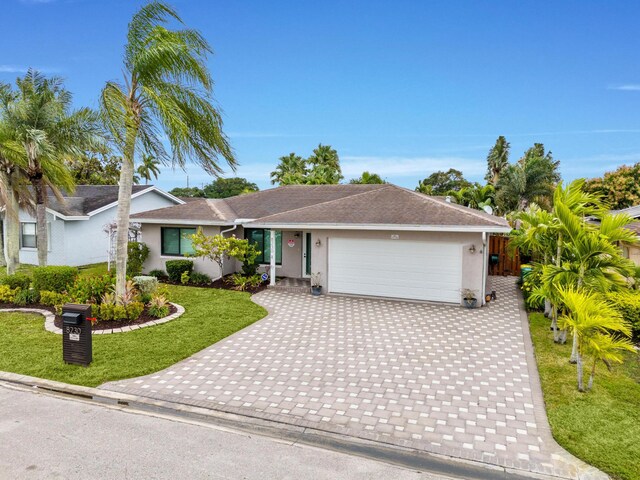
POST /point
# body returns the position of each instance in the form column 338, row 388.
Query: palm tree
column 325, row 165
column 497, row 160
column 13, row 191
column 291, row 170
column 148, row 168
column 40, row 118
column 606, row 349
column 531, row 179
column 167, row 87
column 589, row 316
column 368, row 178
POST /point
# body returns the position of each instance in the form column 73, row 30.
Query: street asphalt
column 44, row 436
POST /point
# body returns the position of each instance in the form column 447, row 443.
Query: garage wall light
column 318, row 243
column 472, row 249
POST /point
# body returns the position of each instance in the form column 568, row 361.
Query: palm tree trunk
column 11, row 224
column 122, row 221
column 574, row 350
column 554, row 324
column 41, row 218
column 593, row 374
column 580, row 373
column 3, row 258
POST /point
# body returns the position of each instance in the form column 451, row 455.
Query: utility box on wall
column 77, row 347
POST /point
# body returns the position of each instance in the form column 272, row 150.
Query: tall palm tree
column 532, row 179
column 13, row 191
column 587, row 316
column 41, row 119
column 167, row 87
column 324, row 161
column 497, row 160
column 291, row 170
column 148, row 168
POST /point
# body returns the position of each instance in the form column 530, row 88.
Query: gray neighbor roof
column 327, row 205
column 87, row 198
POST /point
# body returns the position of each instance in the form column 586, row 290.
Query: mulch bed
column 222, row 283
column 100, row 325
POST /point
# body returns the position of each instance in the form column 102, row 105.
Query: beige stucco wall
column 632, row 252
column 471, row 262
column 151, row 236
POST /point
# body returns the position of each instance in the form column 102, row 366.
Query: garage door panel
column 391, row 268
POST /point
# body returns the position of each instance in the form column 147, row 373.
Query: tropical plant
column 368, row 178
column 532, row 179
column 149, row 167
column 619, row 188
column 497, row 160
column 590, row 318
column 324, row 166
column 606, row 349
column 291, row 170
column 167, row 88
column 40, row 118
column 158, row 306
column 216, row 247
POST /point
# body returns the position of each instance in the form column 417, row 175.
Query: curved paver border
column 49, row 320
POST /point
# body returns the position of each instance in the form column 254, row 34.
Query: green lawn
column 85, row 270
column 601, row 427
column 211, row 315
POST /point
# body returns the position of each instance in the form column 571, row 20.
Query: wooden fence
column 501, row 260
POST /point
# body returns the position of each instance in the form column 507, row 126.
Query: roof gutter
column 391, row 227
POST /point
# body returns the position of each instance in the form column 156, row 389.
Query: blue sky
column 402, row 88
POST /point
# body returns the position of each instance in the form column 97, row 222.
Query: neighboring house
column 632, row 252
column 76, row 224
column 378, row 240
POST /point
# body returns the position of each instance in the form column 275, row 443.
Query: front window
column 261, row 238
column 176, row 242
column 28, row 237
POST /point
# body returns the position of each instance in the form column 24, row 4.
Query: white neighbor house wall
column 82, row 242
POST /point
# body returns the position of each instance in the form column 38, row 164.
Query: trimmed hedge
column 54, row 278
column 17, row 280
column 175, row 269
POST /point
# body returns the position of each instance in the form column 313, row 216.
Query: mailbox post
column 76, row 334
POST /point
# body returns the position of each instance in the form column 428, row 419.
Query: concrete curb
column 402, row 456
column 49, row 320
column 574, row 465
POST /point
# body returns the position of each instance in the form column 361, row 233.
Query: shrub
column 147, row 285
column 52, row 298
column 158, row 306
column 184, row 278
column 159, row 274
column 627, row 302
column 17, row 280
column 8, row 294
column 175, row 269
column 54, row 278
column 90, row 289
column 241, row 282
column 28, row 296
column 138, row 253
column 198, row 278
column 134, row 310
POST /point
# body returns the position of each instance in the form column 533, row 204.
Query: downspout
column 485, row 259
column 222, row 232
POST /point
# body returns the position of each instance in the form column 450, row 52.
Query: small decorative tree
column 216, row 247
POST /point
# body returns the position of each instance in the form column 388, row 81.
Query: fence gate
column 501, row 260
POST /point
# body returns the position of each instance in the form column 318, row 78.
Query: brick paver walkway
column 438, row 378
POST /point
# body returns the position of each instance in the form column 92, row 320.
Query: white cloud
column 23, row 69
column 629, row 87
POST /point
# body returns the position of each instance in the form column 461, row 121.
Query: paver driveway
column 433, row 377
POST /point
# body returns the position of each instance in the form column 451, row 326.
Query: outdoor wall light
column 472, row 249
column 318, row 243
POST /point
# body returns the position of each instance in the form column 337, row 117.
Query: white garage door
column 395, row 268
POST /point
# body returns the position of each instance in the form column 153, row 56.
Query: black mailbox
column 494, row 259
column 76, row 334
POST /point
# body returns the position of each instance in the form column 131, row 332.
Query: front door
column 306, row 254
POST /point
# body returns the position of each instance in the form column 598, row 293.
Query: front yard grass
column 601, row 427
column 210, row 315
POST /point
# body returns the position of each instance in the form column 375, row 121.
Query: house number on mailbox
column 74, row 333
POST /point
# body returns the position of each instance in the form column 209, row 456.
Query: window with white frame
column 28, row 238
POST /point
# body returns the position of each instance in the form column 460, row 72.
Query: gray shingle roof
column 87, row 198
column 329, row 205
